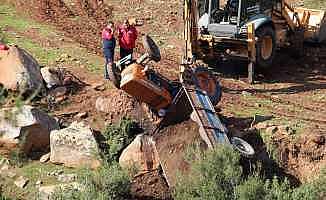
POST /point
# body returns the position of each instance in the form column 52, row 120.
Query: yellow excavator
column 249, row 30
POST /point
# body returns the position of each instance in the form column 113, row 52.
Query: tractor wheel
column 151, row 48
column 114, row 75
column 265, row 46
column 209, row 83
column 243, row 147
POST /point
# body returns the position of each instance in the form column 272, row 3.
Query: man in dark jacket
column 108, row 46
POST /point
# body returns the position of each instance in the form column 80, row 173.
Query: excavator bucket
column 314, row 23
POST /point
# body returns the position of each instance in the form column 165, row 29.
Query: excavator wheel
column 205, row 80
column 266, row 46
column 114, row 74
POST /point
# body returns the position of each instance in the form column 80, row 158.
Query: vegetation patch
column 117, row 137
column 217, row 174
column 109, row 182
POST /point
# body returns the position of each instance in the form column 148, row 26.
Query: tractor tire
column 265, row 46
column 151, row 48
column 114, row 75
column 243, row 147
column 209, row 83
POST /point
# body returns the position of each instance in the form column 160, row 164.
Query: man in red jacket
column 127, row 39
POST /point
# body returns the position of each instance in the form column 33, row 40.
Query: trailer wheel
column 243, row 147
column 114, row 75
column 209, row 83
column 265, row 46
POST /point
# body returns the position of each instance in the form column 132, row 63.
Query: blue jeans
column 109, row 58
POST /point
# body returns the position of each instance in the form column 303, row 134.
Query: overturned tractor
column 193, row 96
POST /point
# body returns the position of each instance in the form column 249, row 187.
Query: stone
column 262, row 125
column 10, row 174
column 58, row 92
column 4, row 167
column 51, row 77
column 82, row 115
column 21, row 182
column 26, row 128
column 245, row 93
column 141, row 154
column 20, row 71
column 74, row 146
column 66, row 178
column 98, row 86
column 60, row 99
column 56, row 173
column 271, row 130
column 286, row 130
column 47, row 192
column 39, row 182
column 45, row 158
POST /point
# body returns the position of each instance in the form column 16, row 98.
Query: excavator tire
column 114, row 75
column 265, row 46
column 209, row 83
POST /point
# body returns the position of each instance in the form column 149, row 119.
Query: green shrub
column 117, row 137
column 109, row 183
column 313, row 190
column 218, row 175
column 17, row 158
column 214, row 176
column 253, row 188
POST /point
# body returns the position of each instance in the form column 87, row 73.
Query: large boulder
column 25, row 127
column 74, row 146
column 19, row 70
column 141, row 154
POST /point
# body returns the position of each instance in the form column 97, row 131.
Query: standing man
column 108, row 46
column 127, row 39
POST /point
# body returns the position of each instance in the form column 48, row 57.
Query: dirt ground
column 291, row 93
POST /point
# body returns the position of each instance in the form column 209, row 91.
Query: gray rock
column 141, row 153
column 39, row 182
column 66, row 178
column 27, row 127
column 286, row 130
column 10, row 174
column 45, row 158
column 56, row 173
column 245, row 93
column 74, row 146
column 21, row 182
column 58, row 92
column 51, row 77
column 82, row 115
column 271, row 130
column 263, row 125
column 20, row 71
